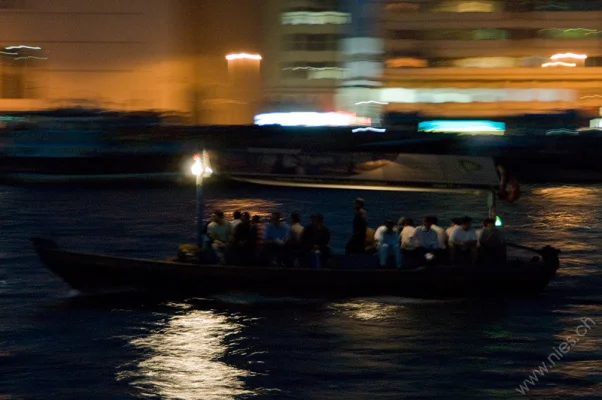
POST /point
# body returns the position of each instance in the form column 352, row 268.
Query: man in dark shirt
column 356, row 243
column 243, row 241
column 315, row 238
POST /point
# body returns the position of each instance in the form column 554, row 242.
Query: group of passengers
column 247, row 240
column 426, row 244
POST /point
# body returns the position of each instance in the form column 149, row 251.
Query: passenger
column 407, row 234
column 296, row 230
column 387, row 239
column 463, row 242
column 293, row 242
column 441, row 235
column 275, row 235
column 428, row 240
column 257, row 233
column 455, row 222
column 315, row 240
column 236, row 215
column 220, row 232
column 357, row 241
column 243, row 241
column 492, row 247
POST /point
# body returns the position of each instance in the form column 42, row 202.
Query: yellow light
column 197, row 167
column 243, row 56
column 574, row 56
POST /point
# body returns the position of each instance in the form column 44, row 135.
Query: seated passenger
column 257, row 233
column 492, row 247
column 274, row 239
column 441, row 235
column 219, row 231
column 455, row 222
column 428, row 240
column 243, row 241
column 463, row 242
column 296, row 230
column 407, row 234
column 387, row 242
column 236, row 218
column 315, row 240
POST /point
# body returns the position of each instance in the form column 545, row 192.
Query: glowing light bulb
column 498, row 221
column 197, row 167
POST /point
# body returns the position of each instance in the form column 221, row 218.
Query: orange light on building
column 245, row 87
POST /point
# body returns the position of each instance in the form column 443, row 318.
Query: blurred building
column 302, row 64
column 439, row 57
column 491, row 57
column 115, row 54
column 128, row 55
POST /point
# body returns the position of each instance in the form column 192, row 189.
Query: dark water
column 237, row 346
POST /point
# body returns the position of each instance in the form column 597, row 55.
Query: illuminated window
column 569, row 33
column 403, row 6
column 466, row 34
column 451, row 95
column 311, row 71
column 566, row 5
column 406, row 63
column 315, row 18
column 468, row 6
column 487, row 62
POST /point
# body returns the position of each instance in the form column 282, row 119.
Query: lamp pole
column 201, row 169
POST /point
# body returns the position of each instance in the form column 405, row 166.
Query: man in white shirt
column 407, row 235
column 463, row 240
column 455, row 223
column 236, row 219
column 220, row 233
column 387, row 239
column 441, row 235
column 296, row 230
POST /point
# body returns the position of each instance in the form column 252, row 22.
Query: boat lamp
column 200, row 169
column 498, row 222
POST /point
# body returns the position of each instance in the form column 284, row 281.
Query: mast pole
column 491, row 203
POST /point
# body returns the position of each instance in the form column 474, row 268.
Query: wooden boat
column 93, row 273
column 346, row 275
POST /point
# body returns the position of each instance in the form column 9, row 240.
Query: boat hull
column 90, row 273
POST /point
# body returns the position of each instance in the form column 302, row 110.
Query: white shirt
column 441, row 236
column 220, row 232
column 427, row 239
column 450, row 230
column 234, row 223
column 408, row 238
column 461, row 236
column 296, row 232
column 383, row 237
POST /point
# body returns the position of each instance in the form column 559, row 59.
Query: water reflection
column 184, row 359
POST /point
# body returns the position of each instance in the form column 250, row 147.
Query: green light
column 498, row 221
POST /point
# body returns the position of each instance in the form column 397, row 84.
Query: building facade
column 302, row 65
column 116, row 55
column 166, row 55
column 491, row 57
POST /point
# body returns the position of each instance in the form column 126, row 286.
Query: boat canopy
column 366, row 171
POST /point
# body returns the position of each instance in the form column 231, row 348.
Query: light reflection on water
column 184, row 359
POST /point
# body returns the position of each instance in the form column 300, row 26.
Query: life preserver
column 509, row 186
